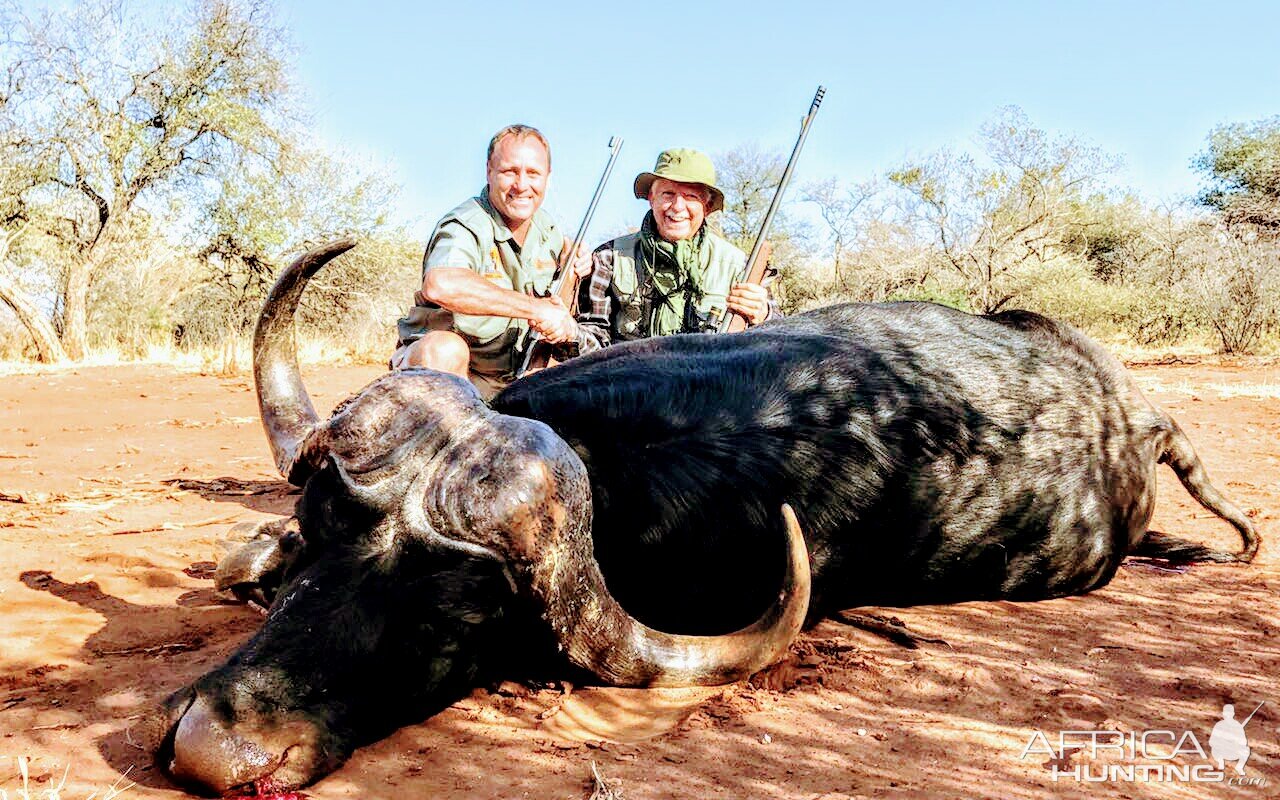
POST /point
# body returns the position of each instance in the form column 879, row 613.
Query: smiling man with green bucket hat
column 674, row 275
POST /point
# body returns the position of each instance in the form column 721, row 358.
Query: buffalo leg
column 890, row 628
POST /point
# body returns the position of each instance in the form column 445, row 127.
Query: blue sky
column 420, row 87
column 423, row 86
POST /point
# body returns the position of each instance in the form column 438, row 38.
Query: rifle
column 537, row 352
column 1255, row 711
column 733, row 322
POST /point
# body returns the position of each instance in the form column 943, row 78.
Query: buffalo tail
column 1181, row 456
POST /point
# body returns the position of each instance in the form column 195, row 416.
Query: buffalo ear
column 254, row 570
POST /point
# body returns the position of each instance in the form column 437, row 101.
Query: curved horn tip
column 797, row 590
column 800, row 577
column 318, row 256
column 287, row 414
column 793, row 524
column 337, row 246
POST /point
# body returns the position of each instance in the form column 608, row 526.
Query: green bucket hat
column 685, row 166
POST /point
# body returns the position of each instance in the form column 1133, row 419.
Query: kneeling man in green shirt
column 487, row 267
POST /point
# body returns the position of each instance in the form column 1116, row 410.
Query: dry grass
column 55, row 792
column 601, row 787
column 1266, row 390
column 1128, row 352
column 224, row 360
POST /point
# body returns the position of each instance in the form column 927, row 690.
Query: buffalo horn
column 599, row 635
column 288, row 417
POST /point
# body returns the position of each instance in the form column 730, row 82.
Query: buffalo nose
column 208, row 754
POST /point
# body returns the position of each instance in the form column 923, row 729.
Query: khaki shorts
column 487, row 386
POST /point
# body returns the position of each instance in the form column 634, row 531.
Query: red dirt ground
column 117, row 484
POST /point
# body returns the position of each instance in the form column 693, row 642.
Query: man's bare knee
column 440, row 350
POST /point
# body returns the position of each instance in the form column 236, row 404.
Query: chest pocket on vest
column 626, row 286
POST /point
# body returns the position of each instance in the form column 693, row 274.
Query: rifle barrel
column 615, row 147
column 777, row 198
column 1255, row 711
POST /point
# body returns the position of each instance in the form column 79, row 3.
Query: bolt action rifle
column 733, row 322
column 537, row 351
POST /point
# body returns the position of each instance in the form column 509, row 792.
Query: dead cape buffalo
column 628, row 508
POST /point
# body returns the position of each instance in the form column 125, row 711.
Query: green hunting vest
column 474, row 236
column 722, row 265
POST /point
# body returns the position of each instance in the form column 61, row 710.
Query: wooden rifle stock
column 733, row 322
column 537, row 351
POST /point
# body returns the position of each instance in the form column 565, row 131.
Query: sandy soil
column 117, row 484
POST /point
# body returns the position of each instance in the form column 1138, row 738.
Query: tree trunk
column 48, row 348
column 75, row 309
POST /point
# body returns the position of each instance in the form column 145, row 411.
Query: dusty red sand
column 118, row 483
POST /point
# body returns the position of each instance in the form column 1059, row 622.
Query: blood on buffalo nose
column 206, row 753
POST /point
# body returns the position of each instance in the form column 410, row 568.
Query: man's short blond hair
column 520, row 132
